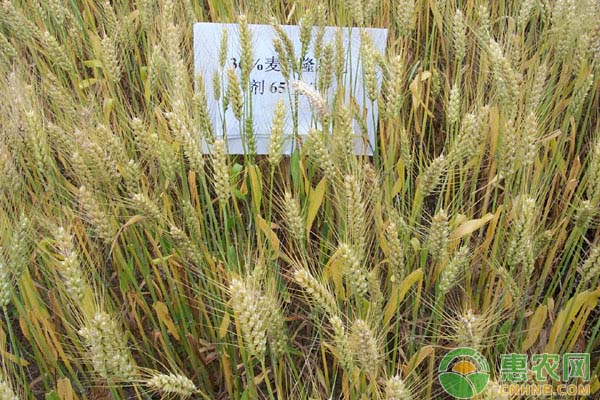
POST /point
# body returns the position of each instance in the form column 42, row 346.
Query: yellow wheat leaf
column 255, row 185
column 162, row 312
column 65, row 390
column 536, row 322
column 334, row 270
column 416, row 87
column 8, row 356
column 86, row 83
column 108, row 105
column 418, row 358
column 595, row 385
column 408, row 282
column 93, row 63
column 575, row 312
column 314, row 203
column 398, row 186
column 399, row 292
column 470, row 226
column 224, row 326
column 268, row 231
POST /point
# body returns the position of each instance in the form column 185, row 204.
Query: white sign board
column 268, row 86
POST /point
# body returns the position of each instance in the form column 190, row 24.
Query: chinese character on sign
column 545, row 366
column 576, row 365
column 308, row 64
column 513, row 367
column 272, row 64
column 257, row 87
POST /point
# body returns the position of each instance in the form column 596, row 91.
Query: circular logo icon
column 464, row 373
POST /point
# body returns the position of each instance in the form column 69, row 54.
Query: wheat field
column 136, row 265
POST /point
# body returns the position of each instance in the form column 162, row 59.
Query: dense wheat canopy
column 134, row 263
